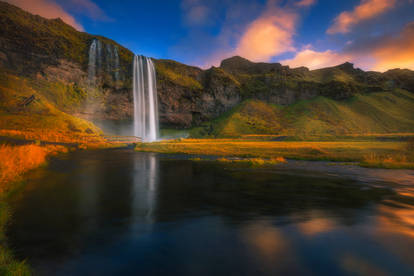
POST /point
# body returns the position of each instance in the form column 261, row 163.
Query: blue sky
column 374, row 34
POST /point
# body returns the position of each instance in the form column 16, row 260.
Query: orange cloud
column 396, row 52
column 315, row 60
column 47, row 9
column 367, row 9
column 305, row 3
column 269, row 35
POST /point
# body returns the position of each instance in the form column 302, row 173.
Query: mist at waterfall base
column 145, row 99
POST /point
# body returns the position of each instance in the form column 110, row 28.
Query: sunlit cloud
column 380, row 54
column 315, row 60
column 395, row 52
column 269, row 35
column 56, row 9
column 47, row 9
column 305, row 3
column 367, row 9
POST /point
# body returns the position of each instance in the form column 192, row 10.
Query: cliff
column 53, row 60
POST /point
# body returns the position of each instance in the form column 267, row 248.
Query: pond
column 120, row 212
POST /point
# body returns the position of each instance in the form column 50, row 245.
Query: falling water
column 109, row 58
column 92, row 63
column 99, row 56
column 145, row 99
column 116, row 65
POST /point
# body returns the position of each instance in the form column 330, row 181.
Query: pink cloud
column 305, row 3
column 367, row 9
column 268, row 36
column 47, row 9
column 315, row 60
column 387, row 52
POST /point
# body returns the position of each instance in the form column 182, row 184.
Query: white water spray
column 145, row 99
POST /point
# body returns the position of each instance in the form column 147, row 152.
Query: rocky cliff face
column 55, row 58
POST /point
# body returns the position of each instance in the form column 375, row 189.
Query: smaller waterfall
column 92, row 63
column 116, row 61
column 145, row 99
column 99, row 57
column 109, row 58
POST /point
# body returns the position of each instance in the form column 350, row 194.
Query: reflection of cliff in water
column 207, row 187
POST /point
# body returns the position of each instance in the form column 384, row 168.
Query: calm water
column 117, row 212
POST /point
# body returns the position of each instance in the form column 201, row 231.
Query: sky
column 373, row 34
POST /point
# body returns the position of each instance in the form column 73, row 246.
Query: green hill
column 379, row 113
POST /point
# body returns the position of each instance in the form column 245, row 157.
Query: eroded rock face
column 55, row 57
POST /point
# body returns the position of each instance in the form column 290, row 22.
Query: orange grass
column 355, row 151
column 16, row 160
column 52, row 136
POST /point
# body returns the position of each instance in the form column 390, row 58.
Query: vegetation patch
column 342, row 151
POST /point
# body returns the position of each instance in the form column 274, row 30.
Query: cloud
column 395, row 51
column 47, row 9
column 305, row 3
column 380, row 54
column 88, row 8
column 58, row 9
column 367, row 9
column 315, row 60
column 269, row 35
column 195, row 12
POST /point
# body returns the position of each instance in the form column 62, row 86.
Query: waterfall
column 109, row 57
column 99, row 56
column 145, row 99
column 116, row 65
column 92, row 63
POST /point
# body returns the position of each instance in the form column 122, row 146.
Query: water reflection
column 144, row 196
column 122, row 212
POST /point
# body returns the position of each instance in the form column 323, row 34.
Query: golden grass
column 354, row 151
column 52, row 136
column 16, row 160
column 254, row 162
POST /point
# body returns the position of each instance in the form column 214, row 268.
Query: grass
column 17, row 160
column 14, row 162
column 254, row 162
column 378, row 113
column 343, row 151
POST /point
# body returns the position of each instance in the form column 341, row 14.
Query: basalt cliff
column 53, row 60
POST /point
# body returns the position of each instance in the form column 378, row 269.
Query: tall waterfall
column 145, row 99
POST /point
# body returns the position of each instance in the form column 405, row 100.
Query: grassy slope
column 384, row 112
column 40, row 116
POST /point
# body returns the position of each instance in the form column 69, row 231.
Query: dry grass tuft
column 16, row 160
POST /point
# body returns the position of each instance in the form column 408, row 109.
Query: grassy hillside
column 383, row 112
column 40, row 118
